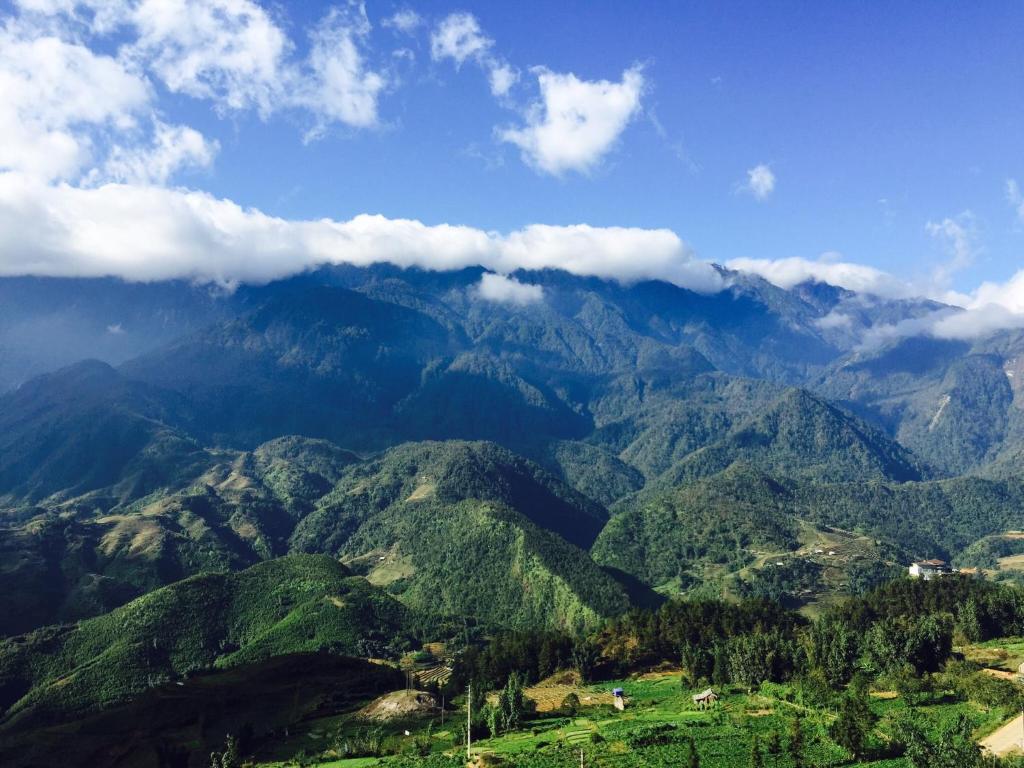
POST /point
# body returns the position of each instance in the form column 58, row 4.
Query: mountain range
column 428, row 456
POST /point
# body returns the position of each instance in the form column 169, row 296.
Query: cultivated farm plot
column 1005, row 654
column 438, row 674
column 1011, row 563
column 549, row 697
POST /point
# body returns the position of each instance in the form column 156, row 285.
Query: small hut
column 619, row 697
column 705, row 699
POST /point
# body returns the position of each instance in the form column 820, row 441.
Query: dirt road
column 1006, row 739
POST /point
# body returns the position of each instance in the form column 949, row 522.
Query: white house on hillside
column 930, row 569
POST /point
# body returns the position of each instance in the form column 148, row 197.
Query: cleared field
column 1012, row 563
column 550, row 697
column 1005, row 654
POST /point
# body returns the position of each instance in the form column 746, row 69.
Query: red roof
column 934, row 563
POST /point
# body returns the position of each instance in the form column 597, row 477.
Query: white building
column 930, row 569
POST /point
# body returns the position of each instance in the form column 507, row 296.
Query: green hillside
column 802, row 436
column 295, row 604
column 93, row 552
column 702, row 528
column 86, row 428
column 468, row 529
column 714, row 521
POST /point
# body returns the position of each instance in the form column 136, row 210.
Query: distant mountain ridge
column 385, row 416
column 232, row 501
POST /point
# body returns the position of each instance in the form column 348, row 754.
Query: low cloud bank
column 787, row 273
column 990, row 308
column 147, row 233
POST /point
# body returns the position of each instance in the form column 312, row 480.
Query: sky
column 876, row 146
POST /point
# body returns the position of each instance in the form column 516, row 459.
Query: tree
column 908, row 684
column 511, row 707
column 854, row 724
column 492, row 716
column 832, row 648
column 571, row 705
column 756, row 657
column 583, row 657
column 229, row 758
column 720, row 666
column 796, row 742
column 954, row 748
column 968, row 620
column 694, row 759
column 756, row 758
column 697, row 663
column 773, row 745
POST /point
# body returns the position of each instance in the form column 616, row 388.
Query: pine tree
column 855, row 721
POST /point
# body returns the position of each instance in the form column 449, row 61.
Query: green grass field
column 654, row 730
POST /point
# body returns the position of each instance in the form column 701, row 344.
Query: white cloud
column 152, row 233
column 502, row 77
column 458, row 37
column 233, row 53
column 760, row 182
column 958, row 237
column 95, row 15
column 174, row 147
column 787, row 273
column 577, row 122
column 508, row 290
column 56, row 97
column 342, row 88
column 834, row 320
column 1015, row 198
column 230, row 51
column 406, row 21
column 991, row 307
column 619, row 253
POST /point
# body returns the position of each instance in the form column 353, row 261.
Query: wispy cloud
column 760, row 182
column 571, row 126
column 958, row 237
column 406, row 21
column 460, row 38
column 1015, row 198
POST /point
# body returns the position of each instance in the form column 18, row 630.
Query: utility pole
column 581, row 757
column 469, row 720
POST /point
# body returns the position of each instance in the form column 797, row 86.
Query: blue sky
column 885, row 136
column 874, row 118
